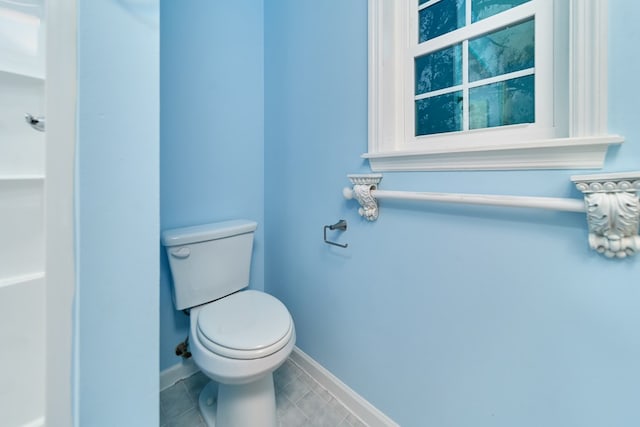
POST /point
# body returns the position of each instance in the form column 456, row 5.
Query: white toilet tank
column 209, row 261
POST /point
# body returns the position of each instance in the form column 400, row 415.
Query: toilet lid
column 245, row 325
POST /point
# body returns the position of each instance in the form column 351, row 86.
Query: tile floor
column 300, row 400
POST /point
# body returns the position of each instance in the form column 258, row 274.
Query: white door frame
column 60, row 95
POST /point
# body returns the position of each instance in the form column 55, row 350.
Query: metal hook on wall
column 340, row 225
column 35, row 122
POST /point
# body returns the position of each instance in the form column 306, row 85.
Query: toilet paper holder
column 340, row 225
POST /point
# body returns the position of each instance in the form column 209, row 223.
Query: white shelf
column 21, row 73
column 23, row 278
column 9, row 178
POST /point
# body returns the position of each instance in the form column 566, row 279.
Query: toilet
column 237, row 337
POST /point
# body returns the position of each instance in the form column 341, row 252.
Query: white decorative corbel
column 363, row 185
column 613, row 212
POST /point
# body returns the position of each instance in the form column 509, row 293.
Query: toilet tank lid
column 206, row 232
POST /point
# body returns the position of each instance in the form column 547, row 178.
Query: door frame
column 60, row 99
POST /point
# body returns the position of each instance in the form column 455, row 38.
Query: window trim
column 584, row 148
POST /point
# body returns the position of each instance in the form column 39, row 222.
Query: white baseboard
column 349, row 398
column 177, row 372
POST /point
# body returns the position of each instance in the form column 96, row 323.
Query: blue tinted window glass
column 439, row 70
column 505, row 103
column 504, row 51
column 439, row 114
column 440, row 18
column 481, row 9
column 422, row 1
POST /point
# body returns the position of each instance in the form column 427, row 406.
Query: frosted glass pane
column 481, row 9
column 505, row 103
column 441, row 18
column 439, row 114
column 439, row 70
column 504, row 51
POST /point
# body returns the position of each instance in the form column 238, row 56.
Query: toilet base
column 207, row 403
column 246, row 405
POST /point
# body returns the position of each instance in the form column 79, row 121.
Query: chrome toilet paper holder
column 340, row 225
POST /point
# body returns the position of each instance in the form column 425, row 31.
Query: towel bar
column 610, row 202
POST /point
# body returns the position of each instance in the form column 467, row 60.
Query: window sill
column 562, row 153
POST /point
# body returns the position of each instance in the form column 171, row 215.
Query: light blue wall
column 117, row 215
column 441, row 315
column 212, row 132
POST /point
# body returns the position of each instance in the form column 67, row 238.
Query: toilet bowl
column 240, row 357
column 237, row 337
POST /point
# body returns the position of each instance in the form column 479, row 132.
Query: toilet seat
column 244, row 325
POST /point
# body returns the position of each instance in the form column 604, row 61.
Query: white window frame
column 579, row 141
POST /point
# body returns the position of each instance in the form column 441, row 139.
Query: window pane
column 422, row 1
column 481, row 9
column 440, row 18
column 439, row 114
column 504, row 51
column 439, row 70
column 505, row 103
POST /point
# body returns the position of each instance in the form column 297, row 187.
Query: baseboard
column 177, row 372
column 349, row 398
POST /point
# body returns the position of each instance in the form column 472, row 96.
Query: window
column 481, row 77
column 487, row 84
